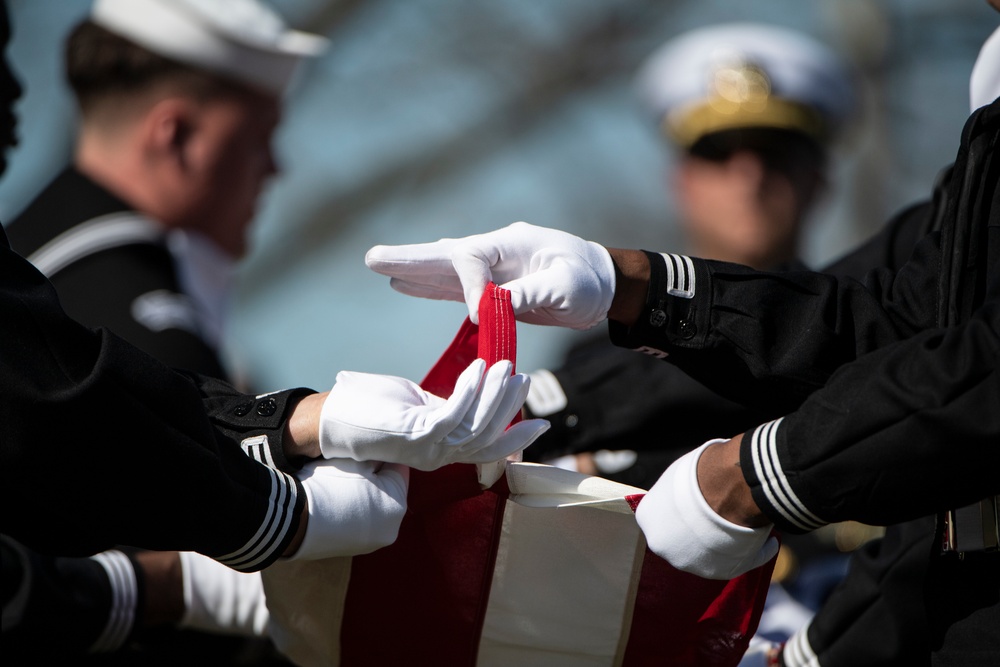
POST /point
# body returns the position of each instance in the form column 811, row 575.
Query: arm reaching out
column 554, row 278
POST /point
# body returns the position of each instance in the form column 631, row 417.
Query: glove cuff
column 219, row 599
column 351, row 513
column 607, row 275
column 330, row 446
column 719, row 533
column 681, row 527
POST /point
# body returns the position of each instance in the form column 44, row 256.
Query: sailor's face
column 232, row 160
column 739, row 210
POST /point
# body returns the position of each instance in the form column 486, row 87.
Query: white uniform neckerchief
column 984, row 83
column 205, row 273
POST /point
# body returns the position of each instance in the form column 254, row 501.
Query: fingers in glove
column 473, row 264
column 559, row 295
column 450, row 416
column 533, row 292
column 484, row 408
column 513, row 440
column 417, row 259
column 506, row 405
column 445, row 289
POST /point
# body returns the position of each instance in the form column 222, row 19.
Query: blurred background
column 434, row 118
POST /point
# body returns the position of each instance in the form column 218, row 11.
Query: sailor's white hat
column 741, row 75
column 241, row 39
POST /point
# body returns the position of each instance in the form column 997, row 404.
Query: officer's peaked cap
column 744, row 75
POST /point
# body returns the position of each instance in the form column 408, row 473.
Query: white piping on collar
column 100, row 233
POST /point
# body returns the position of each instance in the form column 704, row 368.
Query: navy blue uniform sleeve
column 770, row 339
column 878, row 398
column 103, row 445
column 890, row 384
column 908, row 430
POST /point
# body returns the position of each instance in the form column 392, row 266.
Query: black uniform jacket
column 103, row 445
column 111, row 268
column 892, row 389
column 891, row 385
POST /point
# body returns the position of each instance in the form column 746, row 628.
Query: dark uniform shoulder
column 111, row 268
column 68, row 200
column 140, row 300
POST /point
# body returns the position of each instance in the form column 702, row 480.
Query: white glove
column 355, row 507
column 684, row 530
column 221, row 600
column 383, row 418
column 554, row 278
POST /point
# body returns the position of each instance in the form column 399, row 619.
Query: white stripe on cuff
column 259, row 449
column 273, row 529
column 772, row 478
column 124, row 598
column 798, row 652
column 680, row 275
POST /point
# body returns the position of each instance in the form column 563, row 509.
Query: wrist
column 164, row 599
column 302, row 429
column 721, row 480
column 632, row 273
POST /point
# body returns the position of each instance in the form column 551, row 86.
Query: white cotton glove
column 221, row 600
column 355, row 507
column 554, row 278
column 684, row 530
column 386, row 418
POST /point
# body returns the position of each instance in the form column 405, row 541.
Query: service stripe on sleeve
column 680, row 275
column 124, row 598
column 773, row 481
column 798, row 651
column 273, row 529
column 259, row 449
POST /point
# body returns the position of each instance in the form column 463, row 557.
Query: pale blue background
column 431, row 118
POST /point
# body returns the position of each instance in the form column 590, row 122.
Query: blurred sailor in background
column 178, row 102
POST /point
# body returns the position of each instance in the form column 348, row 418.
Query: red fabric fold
column 425, row 596
column 430, row 588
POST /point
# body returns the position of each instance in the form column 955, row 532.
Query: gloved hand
column 355, row 507
column 554, row 278
column 383, row 418
column 684, row 530
column 221, row 600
